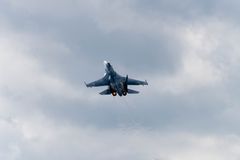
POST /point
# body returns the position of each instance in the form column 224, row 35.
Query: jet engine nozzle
column 114, row 93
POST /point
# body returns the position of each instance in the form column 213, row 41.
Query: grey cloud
column 83, row 37
column 193, row 112
column 189, row 10
column 68, row 43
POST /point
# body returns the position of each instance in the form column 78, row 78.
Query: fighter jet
column 116, row 83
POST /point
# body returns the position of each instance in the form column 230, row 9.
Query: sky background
column 188, row 51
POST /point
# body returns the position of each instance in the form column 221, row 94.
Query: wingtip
column 85, row 84
column 146, row 82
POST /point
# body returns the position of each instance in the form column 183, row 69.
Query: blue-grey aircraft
column 116, row 84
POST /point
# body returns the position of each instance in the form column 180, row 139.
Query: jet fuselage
column 116, row 85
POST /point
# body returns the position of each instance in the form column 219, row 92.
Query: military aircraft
column 116, row 84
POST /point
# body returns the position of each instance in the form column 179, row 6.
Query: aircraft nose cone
column 105, row 63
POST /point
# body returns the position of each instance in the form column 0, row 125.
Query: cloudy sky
column 187, row 50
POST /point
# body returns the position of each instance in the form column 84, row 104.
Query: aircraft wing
column 136, row 82
column 101, row 82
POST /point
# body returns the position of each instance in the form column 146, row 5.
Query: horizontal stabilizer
column 105, row 92
column 130, row 91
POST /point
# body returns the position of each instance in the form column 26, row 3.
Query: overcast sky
column 188, row 51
